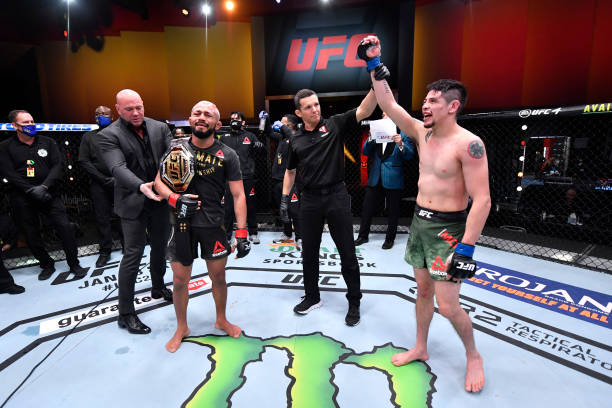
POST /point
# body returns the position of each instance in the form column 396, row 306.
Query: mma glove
column 284, row 208
column 243, row 246
column 39, row 193
column 277, row 125
column 460, row 263
column 185, row 206
column 263, row 115
column 373, row 63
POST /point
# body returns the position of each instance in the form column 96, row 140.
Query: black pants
column 294, row 208
column 6, row 279
column 27, row 211
column 153, row 219
column 334, row 206
column 249, row 184
column 374, row 197
column 102, row 199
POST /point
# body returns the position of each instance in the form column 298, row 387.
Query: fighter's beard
column 202, row 135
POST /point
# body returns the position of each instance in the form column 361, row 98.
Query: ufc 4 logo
column 425, row 213
column 312, row 46
column 465, row 266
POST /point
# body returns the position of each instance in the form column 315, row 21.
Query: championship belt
column 177, row 171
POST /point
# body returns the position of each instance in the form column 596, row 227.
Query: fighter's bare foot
column 474, row 374
column 175, row 342
column 231, row 329
column 406, row 357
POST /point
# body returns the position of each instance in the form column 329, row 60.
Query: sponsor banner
column 108, row 309
column 287, row 254
column 594, row 108
column 318, row 50
column 583, row 304
column 56, row 127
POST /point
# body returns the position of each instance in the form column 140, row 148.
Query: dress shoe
column 164, row 292
column 79, row 271
column 12, row 289
column 133, row 324
column 46, row 272
column 102, row 259
column 361, row 240
column 254, row 239
column 388, row 244
column 352, row 317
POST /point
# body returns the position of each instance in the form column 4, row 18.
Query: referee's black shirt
column 319, row 154
column 43, row 156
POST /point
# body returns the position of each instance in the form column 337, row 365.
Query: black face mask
column 202, row 135
column 235, row 124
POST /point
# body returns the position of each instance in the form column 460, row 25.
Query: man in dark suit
column 132, row 147
column 385, row 180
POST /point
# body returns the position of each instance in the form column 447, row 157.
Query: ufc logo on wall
column 322, row 51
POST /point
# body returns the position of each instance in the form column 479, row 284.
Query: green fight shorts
column 433, row 237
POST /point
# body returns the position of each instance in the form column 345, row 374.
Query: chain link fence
column 550, row 177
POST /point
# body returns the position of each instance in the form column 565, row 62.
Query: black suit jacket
column 121, row 153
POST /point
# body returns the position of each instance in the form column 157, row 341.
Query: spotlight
column 185, row 12
column 523, row 143
column 519, row 188
column 66, row 143
column 524, row 127
column 70, row 167
column 230, row 5
column 65, row 34
column 4, row 180
column 520, row 174
column 522, row 158
column 206, row 9
column 71, row 178
column 277, row 1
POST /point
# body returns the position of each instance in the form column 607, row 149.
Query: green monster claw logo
column 312, row 358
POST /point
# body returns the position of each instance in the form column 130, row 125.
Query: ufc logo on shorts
column 324, row 52
column 466, row 267
column 425, row 213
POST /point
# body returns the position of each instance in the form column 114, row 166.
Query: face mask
column 235, row 124
column 29, row 130
column 103, row 121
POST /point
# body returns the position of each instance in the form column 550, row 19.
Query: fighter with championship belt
column 192, row 177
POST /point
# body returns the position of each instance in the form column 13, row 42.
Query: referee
column 318, row 151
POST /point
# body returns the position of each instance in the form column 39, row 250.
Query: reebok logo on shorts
column 218, row 248
column 438, row 267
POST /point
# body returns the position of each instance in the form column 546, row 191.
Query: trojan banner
column 318, row 50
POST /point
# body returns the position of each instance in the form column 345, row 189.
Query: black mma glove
column 243, row 246
column 39, row 193
column 284, row 208
column 380, row 70
column 185, row 206
column 460, row 263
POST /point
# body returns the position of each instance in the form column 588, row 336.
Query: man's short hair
column 12, row 116
column 301, row 94
column 294, row 120
column 240, row 114
column 451, row 90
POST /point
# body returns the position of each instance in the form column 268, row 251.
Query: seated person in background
column 569, row 210
column 8, row 239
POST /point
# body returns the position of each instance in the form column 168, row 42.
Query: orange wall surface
column 515, row 53
column 172, row 70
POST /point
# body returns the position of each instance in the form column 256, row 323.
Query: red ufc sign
column 350, row 52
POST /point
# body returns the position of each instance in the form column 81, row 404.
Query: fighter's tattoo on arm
column 428, row 135
column 387, row 89
column 476, row 149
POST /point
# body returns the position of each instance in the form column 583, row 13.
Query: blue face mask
column 103, row 121
column 29, row 130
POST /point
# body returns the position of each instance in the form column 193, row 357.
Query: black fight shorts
column 211, row 240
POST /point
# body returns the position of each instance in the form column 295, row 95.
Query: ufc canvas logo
column 465, row 266
column 425, row 213
column 322, row 52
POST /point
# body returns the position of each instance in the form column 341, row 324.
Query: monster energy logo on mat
column 311, row 360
